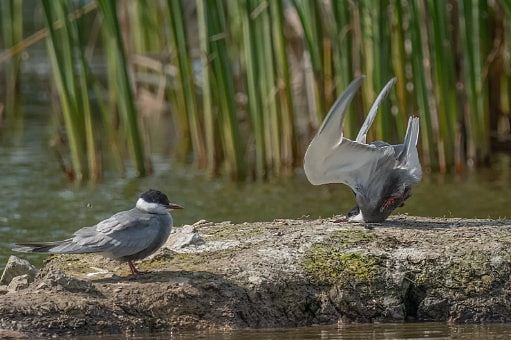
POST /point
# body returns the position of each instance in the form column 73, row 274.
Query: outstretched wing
column 330, row 158
column 408, row 156
column 362, row 134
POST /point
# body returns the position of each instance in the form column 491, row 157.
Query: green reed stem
column 112, row 35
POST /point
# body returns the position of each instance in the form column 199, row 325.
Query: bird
column 380, row 175
column 126, row 236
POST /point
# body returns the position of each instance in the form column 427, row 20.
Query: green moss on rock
column 352, row 237
column 333, row 266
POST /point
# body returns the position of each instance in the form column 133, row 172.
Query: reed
column 60, row 50
column 222, row 82
column 11, row 24
column 309, row 12
column 234, row 95
column 186, row 80
column 120, row 81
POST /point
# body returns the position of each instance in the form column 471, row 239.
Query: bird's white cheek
column 357, row 218
column 151, row 207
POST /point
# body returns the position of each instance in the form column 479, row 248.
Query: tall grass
column 254, row 78
column 11, row 24
column 120, row 80
column 73, row 95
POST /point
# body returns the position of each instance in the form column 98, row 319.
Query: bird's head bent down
column 382, row 196
column 155, row 202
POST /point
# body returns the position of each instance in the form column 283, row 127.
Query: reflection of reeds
column 451, row 60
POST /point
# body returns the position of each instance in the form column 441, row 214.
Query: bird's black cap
column 155, row 196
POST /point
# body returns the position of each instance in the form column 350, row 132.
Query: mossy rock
column 329, row 265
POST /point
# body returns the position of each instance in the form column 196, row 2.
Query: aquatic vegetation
column 72, row 85
column 251, row 80
column 118, row 72
column 11, row 24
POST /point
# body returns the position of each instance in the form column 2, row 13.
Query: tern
column 381, row 175
column 126, row 236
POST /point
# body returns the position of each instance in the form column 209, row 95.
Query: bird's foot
column 136, row 276
column 135, row 273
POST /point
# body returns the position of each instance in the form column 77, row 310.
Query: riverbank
column 285, row 273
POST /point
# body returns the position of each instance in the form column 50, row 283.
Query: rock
column 3, row 289
column 19, row 283
column 16, row 267
column 433, row 309
column 280, row 274
column 10, row 334
column 202, row 223
column 183, row 237
column 58, row 280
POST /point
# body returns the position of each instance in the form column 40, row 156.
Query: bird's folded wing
column 118, row 234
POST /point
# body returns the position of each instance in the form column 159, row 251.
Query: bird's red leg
column 133, row 269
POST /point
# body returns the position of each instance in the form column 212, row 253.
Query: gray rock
column 58, row 280
column 16, row 267
column 183, row 237
column 3, row 289
column 19, row 283
column 11, row 334
column 203, row 223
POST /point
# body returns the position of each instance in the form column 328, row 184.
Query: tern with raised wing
column 381, row 175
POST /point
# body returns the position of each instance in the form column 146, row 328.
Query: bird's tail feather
column 58, row 247
column 38, row 247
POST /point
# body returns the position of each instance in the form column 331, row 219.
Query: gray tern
column 126, row 236
column 381, row 175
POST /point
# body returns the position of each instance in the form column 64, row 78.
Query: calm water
column 433, row 331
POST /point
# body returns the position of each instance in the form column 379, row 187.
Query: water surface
column 431, row 331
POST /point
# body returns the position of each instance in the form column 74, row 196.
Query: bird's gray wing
column 125, row 233
column 408, row 155
column 362, row 134
column 330, row 158
column 330, row 129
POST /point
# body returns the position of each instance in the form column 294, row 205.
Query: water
column 433, row 331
